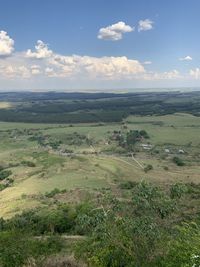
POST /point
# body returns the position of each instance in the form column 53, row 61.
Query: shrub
column 54, row 192
column 41, row 221
column 4, row 174
column 177, row 190
column 128, row 185
column 2, row 187
column 28, row 163
column 178, row 161
column 144, row 134
column 148, row 168
column 16, row 248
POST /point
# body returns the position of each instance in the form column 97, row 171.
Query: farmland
column 95, row 162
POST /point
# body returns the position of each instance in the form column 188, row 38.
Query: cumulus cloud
column 114, row 32
column 113, row 67
column 94, row 67
column 187, row 58
column 41, row 51
column 6, row 44
column 145, row 25
column 195, row 73
column 76, row 68
column 70, row 67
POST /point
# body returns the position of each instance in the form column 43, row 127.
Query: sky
column 99, row 44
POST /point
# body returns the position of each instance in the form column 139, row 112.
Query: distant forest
column 58, row 107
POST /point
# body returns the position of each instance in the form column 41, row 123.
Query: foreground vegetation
column 148, row 227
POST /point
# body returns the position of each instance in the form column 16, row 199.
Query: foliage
column 184, row 247
column 5, row 174
column 128, row 185
column 54, row 192
column 148, row 168
column 17, row 248
column 144, row 134
column 178, row 161
column 42, row 221
column 132, row 137
column 136, row 232
column 3, row 186
column 177, row 190
column 28, row 163
column 131, row 234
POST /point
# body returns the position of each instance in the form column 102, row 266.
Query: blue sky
column 98, row 44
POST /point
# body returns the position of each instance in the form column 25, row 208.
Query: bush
column 16, row 248
column 183, row 250
column 4, row 174
column 54, row 192
column 2, row 187
column 178, row 161
column 127, row 234
column 177, row 190
column 28, row 163
column 148, row 168
column 42, row 221
column 128, row 185
column 144, row 134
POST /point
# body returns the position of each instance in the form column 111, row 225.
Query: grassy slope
column 92, row 172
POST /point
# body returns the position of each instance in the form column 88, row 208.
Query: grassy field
column 177, row 129
column 95, row 166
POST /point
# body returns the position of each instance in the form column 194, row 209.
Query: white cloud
column 187, row 58
column 113, row 67
column 41, row 51
column 145, row 25
column 50, row 72
column 74, row 69
column 23, row 64
column 167, row 75
column 11, row 71
column 114, row 32
column 147, row 63
column 96, row 68
column 195, row 73
column 78, row 68
column 35, row 69
column 6, row 44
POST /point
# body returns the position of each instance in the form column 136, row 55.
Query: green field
column 97, row 166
